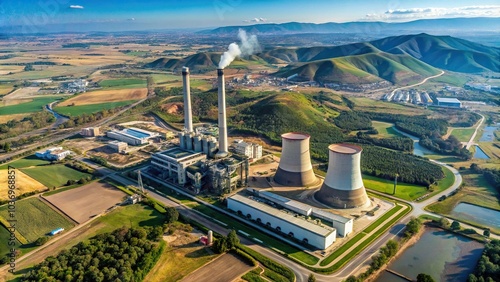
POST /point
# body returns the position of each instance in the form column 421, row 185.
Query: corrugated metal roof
column 448, row 100
column 330, row 215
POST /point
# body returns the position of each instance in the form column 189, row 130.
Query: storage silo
column 197, row 143
column 295, row 167
column 182, row 141
column 343, row 186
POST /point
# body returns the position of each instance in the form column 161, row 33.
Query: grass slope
column 404, row 191
column 53, row 175
column 36, row 219
column 463, row 135
column 29, row 107
column 25, row 162
column 92, row 108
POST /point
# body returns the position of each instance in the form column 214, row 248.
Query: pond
column 442, row 255
column 479, row 154
column 488, row 134
column 478, row 214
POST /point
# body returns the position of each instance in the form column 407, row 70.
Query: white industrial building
column 132, row 136
column 120, row 147
column 449, row 102
column 53, row 154
column 173, row 163
column 343, row 225
column 308, row 232
column 252, row 151
column 90, row 131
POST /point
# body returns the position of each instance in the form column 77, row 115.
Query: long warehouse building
column 315, row 235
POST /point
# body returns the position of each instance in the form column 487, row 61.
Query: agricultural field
column 4, row 239
column 35, row 105
column 92, row 108
column 183, row 255
column 404, row 191
column 385, row 129
column 105, row 96
column 86, row 201
column 10, row 69
column 17, row 117
column 229, row 265
column 36, row 219
column 25, row 162
column 463, row 134
column 24, row 184
column 53, row 175
column 123, row 83
column 5, row 88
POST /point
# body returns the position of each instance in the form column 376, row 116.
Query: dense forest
column 488, row 267
column 415, row 125
column 353, row 120
column 404, row 144
column 123, row 255
column 384, row 163
column 450, row 146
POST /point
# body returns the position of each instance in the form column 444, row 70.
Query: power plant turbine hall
column 295, row 168
column 188, row 117
column 343, row 186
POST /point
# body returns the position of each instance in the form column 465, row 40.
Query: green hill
column 197, row 62
column 366, row 68
column 444, row 52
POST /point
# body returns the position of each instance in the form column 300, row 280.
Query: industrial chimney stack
column 223, row 152
column 188, row 117
column 295, row 168
column 343, row 186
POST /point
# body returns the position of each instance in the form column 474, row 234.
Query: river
column 442, row 255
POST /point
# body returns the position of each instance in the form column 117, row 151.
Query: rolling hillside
column 366, row 68
column 398, row 59
column 444, row 52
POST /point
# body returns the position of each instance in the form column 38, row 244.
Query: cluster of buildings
column 75, row 86
column 53, row 154
column 409, row 96
column 251, row 150
column 202, row 160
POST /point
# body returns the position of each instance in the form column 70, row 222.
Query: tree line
column 126, row 254
column 488, row 267
column 491, row 175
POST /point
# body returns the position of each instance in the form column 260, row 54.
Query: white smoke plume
column 248, row 46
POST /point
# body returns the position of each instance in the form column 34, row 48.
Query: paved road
column 417, row 84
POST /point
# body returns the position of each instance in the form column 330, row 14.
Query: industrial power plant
column 203, row 163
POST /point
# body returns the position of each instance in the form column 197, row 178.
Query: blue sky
column 110, row 15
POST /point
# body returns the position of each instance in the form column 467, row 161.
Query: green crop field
column 162, row 78
column 463, row 135
column 385, row 129
column 131, row 216
column 4, row 240
column 29, row 107
column 36, row 219
column 92, row 108
column 404, row 191
column 25, row 162
column 123, row 83
column 53, row 175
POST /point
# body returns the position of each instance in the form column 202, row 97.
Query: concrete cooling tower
column 343, row 186
column 295, row 167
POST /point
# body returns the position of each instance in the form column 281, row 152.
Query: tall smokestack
column 188, row 117
column 222, row 115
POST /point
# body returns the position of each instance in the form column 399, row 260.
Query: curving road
column 417, row 84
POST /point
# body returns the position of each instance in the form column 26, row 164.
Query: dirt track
column 226, row 268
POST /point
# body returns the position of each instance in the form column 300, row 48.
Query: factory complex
column 132, row 136
column 203, row 163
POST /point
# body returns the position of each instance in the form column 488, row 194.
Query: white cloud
column 436, row 12
column 256, row 20
column 76, row 7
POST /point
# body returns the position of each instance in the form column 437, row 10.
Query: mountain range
column 397, row 59
column 449, row 25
